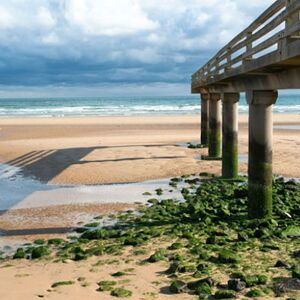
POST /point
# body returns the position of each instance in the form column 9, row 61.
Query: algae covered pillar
column 230, row 135
column 204, row 118
column 260, row 152
column 214, row 137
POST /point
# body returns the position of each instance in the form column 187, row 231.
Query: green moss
column 39, row 242
column 119, row 274
column 55, row 241
column 20, row 253
column 60, row 283
column 121, row 293
column 157, row 256
column 225, row 294
column 254, row 280
column 176, row 246
column 228, row 257
column 255, row 293
column 106, row 285
column 91, row 225
column 159, row 192
column 203, row 289
column 39, row 252
column 296, row 272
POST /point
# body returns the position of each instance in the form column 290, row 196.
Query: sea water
column 123, row 106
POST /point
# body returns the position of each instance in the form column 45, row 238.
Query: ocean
column 122, row 106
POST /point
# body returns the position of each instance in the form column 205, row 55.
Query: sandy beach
column 97, row 151
column 110, row 150
column 125, row 149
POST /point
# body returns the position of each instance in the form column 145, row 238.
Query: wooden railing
column 268, row 34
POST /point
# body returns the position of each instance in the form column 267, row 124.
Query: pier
column 261, row 60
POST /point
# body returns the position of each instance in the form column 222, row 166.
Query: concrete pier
column 214, row 138
column 260, row 152
column 230, row 135
column 204, row 118
column 260, row 60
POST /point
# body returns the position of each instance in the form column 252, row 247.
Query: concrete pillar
column 230, row 135
column 214, row 137
column 204, row 118
column 260, row 153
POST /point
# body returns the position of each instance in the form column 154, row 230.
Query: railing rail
column 270, row 31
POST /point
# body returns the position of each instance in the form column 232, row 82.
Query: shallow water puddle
column 21, row 192
column 288, row 127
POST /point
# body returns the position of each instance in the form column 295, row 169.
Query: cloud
column 90, row 42
column 109, row 18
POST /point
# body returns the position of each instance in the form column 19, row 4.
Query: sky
column 113, row 47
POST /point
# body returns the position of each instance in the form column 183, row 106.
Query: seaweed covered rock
column 254, row 293
column 20, row 253
column 225, row 294
column 106, row 285
column 39, row 252
column 253, row 280
column 203, row 289
column 121, row 293
column 157, row 256
column 178, row 287
column 228, row 257
column 236, row 285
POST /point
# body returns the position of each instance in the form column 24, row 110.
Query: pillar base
column 214, row 137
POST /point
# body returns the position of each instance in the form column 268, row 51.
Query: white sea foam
column 122, row 106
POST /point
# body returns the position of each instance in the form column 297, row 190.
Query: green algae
column 209, row 232
column 106, row 285
column 61, row 283
column 121, row 293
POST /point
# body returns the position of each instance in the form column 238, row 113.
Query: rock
column 178, row 287
column 243, row 237
column 202, row 267
column 173, row 268
column 39, row 252
column 157, row 256
column 282, row 264
column 193, row 285
column 228, row 257
column 291, row 284
column 175, row 246
column 236, row 285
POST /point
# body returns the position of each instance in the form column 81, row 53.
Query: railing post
column 204, row 119
column 260, row 153
column 230, row 135
column 248, row 48
column 282, row 44
column 291, row 20
column 214, row 138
